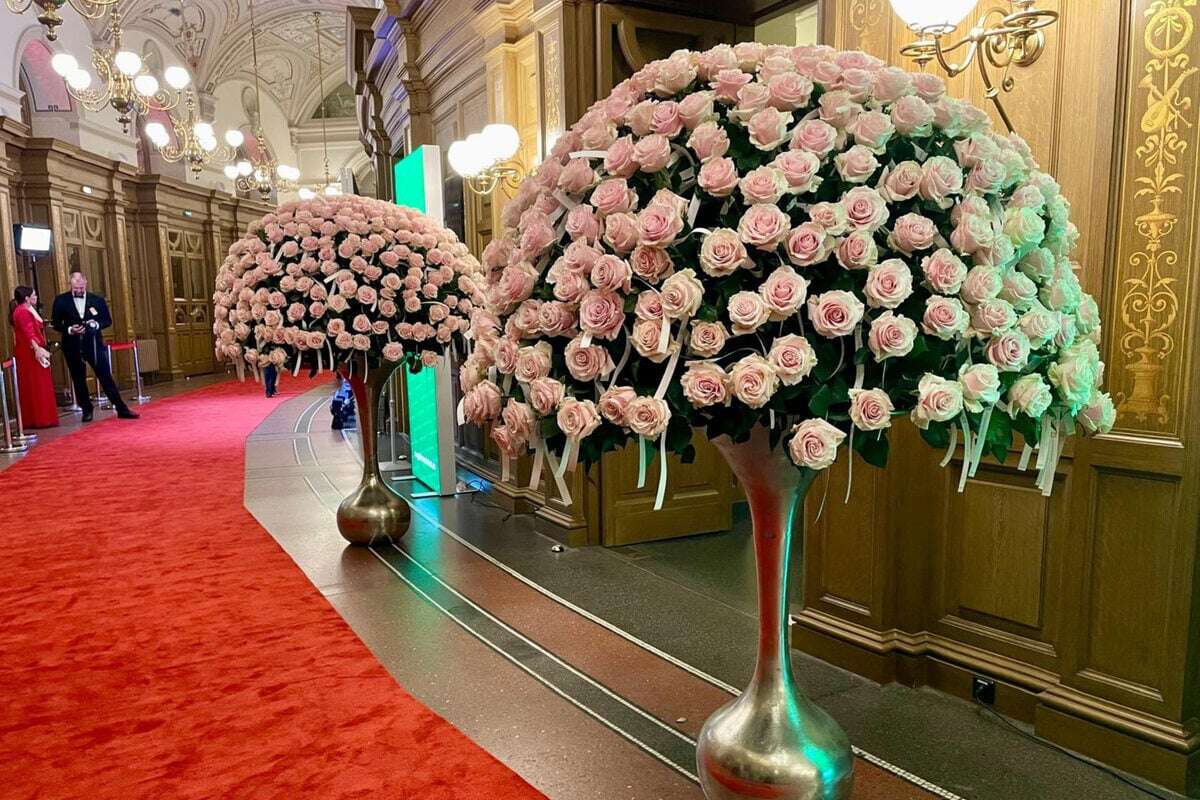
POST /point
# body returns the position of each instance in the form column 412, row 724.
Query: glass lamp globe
column 231, row 172
column 457, row 156
column 203, row 130
column 156, row 132
column 145, row 85
column 501, row 140
column 244, row 168
column 234, row 137
column 128, row 62
column 921, row 15
column 176, row 77
column 332, row 189
column 306, row 193
column 479, row 156
column 79, row 80
column 208, row 143
column 64, row 64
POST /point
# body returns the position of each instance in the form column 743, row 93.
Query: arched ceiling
column 212, row 38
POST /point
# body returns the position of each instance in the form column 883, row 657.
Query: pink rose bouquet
column 798, row 238
column 341, row 281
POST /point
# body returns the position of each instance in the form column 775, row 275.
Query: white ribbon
column 665, row 381
column 967, row 440
column 950, row 448
column 539, row 455
column 566, row 457
column 296, row 369
column 693, row 209
column 590, row 154
column 641, row 483
column 860, row 369
column 981, row 439
column 564, row 494
column 505, row 468
column 620, row 364
column 849, row 465
column 568, row 203
column 662, row 471
column 1026, row 452
column 460, row 413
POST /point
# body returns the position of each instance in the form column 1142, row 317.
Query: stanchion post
column 137, row 376
column 22, row 437
column 101, row 397
column 9, row 446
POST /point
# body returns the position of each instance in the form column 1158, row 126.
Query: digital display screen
column 33, row 239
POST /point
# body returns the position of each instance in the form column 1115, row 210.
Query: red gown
column 39, row 409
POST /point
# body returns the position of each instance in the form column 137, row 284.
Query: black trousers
column 97, row 358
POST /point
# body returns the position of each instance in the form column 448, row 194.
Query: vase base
column 373, row 514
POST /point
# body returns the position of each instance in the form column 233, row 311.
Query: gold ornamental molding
column 1150, row 301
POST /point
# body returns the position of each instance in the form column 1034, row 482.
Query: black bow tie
column 78, row 295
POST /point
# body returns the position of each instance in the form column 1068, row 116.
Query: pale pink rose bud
column 666, row 119
column 651, row 264
column 856, row 165
column 722, row 253
column 1087, row 315
column 533, row 362
column 658, row 225
column 751, row 98
column 901, row 182
column 1029, row 394
column 1008, row 351
column 611, row 272
column 519, row 419
column 941, row 179
column 647, row 335
column 577, row 176
column 747, row 312
column 598, row 137
column 857, row 251
column 764, row 226
column 839, row 109
column 640, row 117
column 792, row 357
column 707, row 339
column 577, row 418
column 938, row 400
column 912, row 116
column 718, row 177
column 808, row 243
column 681, row 295
column 872, row 130
column 583, row 224
column 713, row 60
column 763, row 185
column 621, row 232
column 619, row 160
column 709, row 141
column 649, row 305
column 891, row 336
column 929, row 87
column 789, row 91
column 814, row 444
column 749, row 55
column 980, row 386
column 674, row 75
column 768, row 128
column 1099, row 415
column 830, row 216
column 870, row 409
column 753, row 381
column 544, row 394
column 865, row 209
column 944, row 318
column 1040, row 324
column 652, row 153
column 783, row 292
column 993, row 316
column 704, row 384
column 647, row 416
column 892, row 83
column 814, row 136
column 835, row 313
column 601, row 314
column 982, row 283
column 613, row 196
column 393, row 351
column 695, row 110
column 857, row 82
column 913, row 232
column 614, row 403
column 972, row 234
column 889, row 283
column 799, row 168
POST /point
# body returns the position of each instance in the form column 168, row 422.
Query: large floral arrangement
column 795, row 237
column 344, row 280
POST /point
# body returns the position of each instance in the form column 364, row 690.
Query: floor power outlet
column 983, row 690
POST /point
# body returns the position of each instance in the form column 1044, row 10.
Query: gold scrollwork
column 865, row 14
column 1150, row 303
column 553, row 87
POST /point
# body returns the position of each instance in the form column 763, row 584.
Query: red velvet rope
column 122, row 346
column 8, row 363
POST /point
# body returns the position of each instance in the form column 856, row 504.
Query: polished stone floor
column 600, row 664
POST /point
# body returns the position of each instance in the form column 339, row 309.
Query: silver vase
column 772, row 741
column 373, row 513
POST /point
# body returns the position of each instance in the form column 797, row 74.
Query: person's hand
column 43, row 356
column 76, row 330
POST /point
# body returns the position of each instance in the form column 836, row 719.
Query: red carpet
column 155, row 642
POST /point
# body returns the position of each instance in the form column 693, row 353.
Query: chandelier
column 195, row 140
column 484, row 159
column 49, row 16
column 126, row 84
column 262, row 172
column 328, row 187
column 1007, row 40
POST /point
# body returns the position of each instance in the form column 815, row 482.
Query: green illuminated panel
column 409, row 180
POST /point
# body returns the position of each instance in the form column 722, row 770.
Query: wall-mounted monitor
column 31, row 238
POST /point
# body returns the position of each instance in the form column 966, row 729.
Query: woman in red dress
column 38, row 406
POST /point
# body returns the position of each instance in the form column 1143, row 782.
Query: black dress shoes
column 125, row 413
column 87, row 417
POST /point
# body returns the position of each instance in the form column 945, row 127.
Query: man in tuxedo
column 79, row 317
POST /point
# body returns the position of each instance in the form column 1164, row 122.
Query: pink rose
column 944, row 271
column 519, row 419
column 901, row 182
column 611, row 272
column 865, row 209
column 707, row 339
column 764, row 226
column 554, row 318
column 1008, row 351
column 889, row 283
column 930, row 87
column 577, row 418
column 807, row 244
column 1099, row 415
column 1031, row 395
column 545, row 394
column 938, row 400
column 658, row 225
column 814, row 444
column 709, row 141
column 621, row 232
column 651, row 264
column 944, row 318
column 892, row 83
column 763, row 185
column 857, row 251
column 614, row 196
column 835, row 313
column 839, row 109
column 681, row 295
column 571, row 287
column 768, row 128
column 993, row 316
column 648, row 335
column 482, row 403
column 577, row 176
column 695, row 110
column 980, row 386
column 891, row 336
column 718, row 177
column 647, row 416
column 799, row 168
column 789, row 91
column 674, row 74
column 751, row 98
column 793, row 358
column 533, row 362
column 912, row 116
column 747, row 312
column 913, row 232
column 982, row 283
column 830, row 216
column 941, row 179
column 652, row 152
column 666, row 120
column 582, row 224
column 856, row 165
column 814, row 136
column 620, row 160
column 1040, row 325
column 722, row 253
column 870, row 409
column 783, row 292
column 614, row 403
column 753, row 381
column 872, row 130
column 601, row 314
column 640, row 116
column 704, row 384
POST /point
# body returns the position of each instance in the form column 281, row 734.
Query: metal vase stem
column 772, row 741
column 373, row 513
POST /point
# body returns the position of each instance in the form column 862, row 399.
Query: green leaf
column 688, row 456
column 872, row 446
column 820, row 402
column 937, row 435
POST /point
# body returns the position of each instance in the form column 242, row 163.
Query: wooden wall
column 1084, row 604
